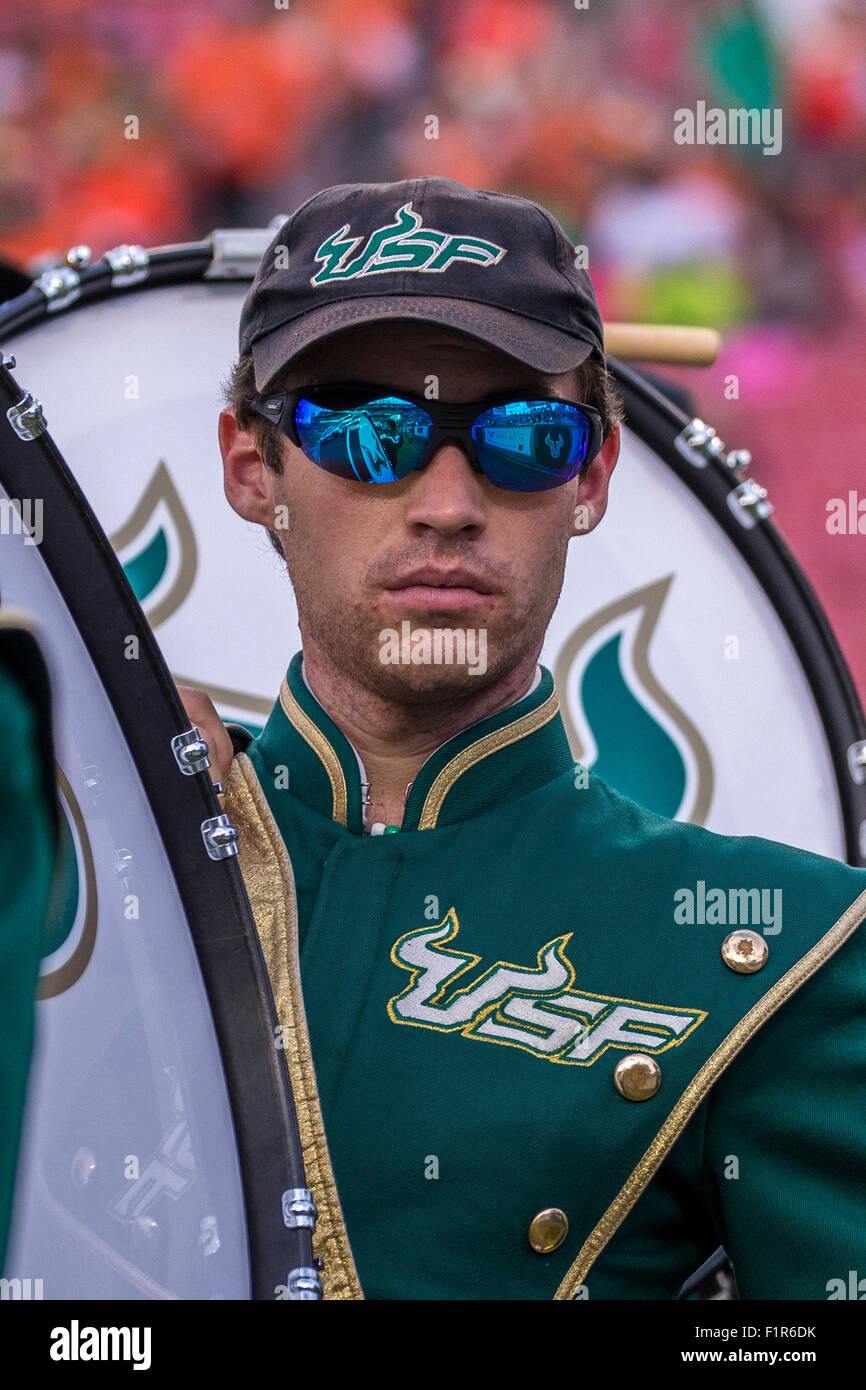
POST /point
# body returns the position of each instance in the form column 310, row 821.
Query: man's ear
column 591, row 501
column 248, row 483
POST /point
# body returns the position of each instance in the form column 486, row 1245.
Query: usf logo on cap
column 405, row 244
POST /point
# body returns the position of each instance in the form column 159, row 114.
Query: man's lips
column 443, row 589
column 456, row 578
column 449, row 599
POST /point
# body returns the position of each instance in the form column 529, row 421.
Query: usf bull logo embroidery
column 534, row 1008
column 404, row 244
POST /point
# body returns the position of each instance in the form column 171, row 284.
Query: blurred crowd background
column 245, row 108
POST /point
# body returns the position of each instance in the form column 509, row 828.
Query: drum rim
column 772, row 563
column 180, row 263
column 229, row 955
column 782, row 580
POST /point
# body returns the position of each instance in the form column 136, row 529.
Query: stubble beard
column 349, row 637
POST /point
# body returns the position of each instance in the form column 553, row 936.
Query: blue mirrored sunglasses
column 376, row 435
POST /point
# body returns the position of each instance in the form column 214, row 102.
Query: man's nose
column 446, row 494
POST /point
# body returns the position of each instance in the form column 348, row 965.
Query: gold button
column 744, row 951
column 548, row 1230
column 637, row 1076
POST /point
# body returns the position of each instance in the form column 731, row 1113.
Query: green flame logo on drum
column 645, row 745
column 157, row 548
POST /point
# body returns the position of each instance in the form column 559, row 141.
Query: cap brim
column 537, row 345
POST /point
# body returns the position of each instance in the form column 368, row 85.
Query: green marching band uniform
column 523, row 1066
column 31, row 873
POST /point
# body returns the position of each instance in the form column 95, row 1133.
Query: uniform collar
column 494, row 760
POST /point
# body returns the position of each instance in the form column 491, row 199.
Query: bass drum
column 696, row 670
column 159, row 1134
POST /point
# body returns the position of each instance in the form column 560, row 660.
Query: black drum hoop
column 165, row 265
column 149, row 712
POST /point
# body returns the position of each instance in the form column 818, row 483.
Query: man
column 519, row 1072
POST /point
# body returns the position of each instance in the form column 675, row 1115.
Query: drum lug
column 749, row 503
column 220, row 837
column 698, row 442
column 191, row 751
column 79, row 257
column 739, row 461
column 303, row 1283
column 129, row 265
column 61, row 286
column 237, row 253
column 299, row 1209
column 26, row 417
column 857, row 761
column 7, row 360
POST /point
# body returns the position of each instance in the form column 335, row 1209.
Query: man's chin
column 428, row 683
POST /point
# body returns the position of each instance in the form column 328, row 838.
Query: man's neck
column 392, row 741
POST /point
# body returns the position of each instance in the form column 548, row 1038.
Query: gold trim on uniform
column 270, row 884
column 700, row 1086
column 482, row 748
column 320, row 745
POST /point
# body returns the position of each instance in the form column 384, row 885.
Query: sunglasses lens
column 529, row 446
column 376, row 441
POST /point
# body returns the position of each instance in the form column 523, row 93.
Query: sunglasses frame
column 450, row 421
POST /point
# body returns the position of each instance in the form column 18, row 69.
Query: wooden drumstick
column 662, row 342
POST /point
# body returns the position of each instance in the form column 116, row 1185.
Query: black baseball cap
column 492, row 265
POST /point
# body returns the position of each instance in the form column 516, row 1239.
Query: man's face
column 350, row 546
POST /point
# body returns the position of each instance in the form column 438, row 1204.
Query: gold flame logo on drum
column 621, row 722
column 157, row 548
